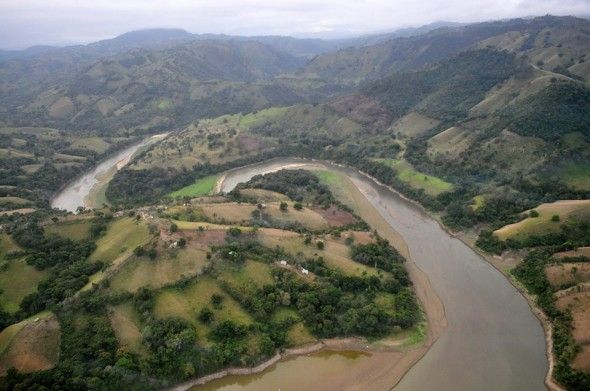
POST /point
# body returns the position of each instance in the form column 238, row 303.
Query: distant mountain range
column 159, row 37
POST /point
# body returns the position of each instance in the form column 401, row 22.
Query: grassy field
column 566, row 274
column 95, row 144
column 335, row 253
column 250, row 119
column 127, row 327
column 13, row 200
column 17, row 281
column 242, row 213
column 328, row 177
column 122, row 235
column 30, row 345
column 170, row 266
column 577, row 176
column 297, row 334
column 201, row 187
column 543, row 224
column 252, row 272
column 186, row 303
column 17, row 278
column 478, row 202
column 262, row 195
column 430, row 184
column 74, row 229
column 413, row 124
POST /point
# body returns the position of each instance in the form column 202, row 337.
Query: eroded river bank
column 482, row 331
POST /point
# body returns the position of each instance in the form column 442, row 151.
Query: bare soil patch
column 579, row 305
column 35, row 347
column 567, row 273
column 335, row 216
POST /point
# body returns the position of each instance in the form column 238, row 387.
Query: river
column 492, row 341
column 88, row 190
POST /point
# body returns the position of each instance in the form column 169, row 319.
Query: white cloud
column 27, row 22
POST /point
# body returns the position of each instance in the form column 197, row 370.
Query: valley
column 223, row 213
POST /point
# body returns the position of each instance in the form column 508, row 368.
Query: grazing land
column 545, row 223
column 201, row 187
column 31, row 345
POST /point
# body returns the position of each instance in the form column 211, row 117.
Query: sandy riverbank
column 469, row 240
column 388, row 362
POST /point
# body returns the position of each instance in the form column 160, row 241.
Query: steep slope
column 157, row 88
column 372, row 62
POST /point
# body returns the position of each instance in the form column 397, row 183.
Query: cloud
column 27, row 22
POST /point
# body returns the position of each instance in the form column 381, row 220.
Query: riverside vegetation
column 201, row 292
column 486, row 126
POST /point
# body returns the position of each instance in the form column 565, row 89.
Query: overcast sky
column 59, row 22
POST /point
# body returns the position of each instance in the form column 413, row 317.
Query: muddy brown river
column 492, row 342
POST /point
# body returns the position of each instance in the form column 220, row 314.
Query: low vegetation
column 177, row 299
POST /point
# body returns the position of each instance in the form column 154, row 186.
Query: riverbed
column 492, row 340
column 88, row 190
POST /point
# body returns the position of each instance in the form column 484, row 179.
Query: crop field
column 78, row 229
column 201, row 187
column 169, row 267
column 543, row 224
column 187, row 302
column 430, row 184
column 31, row 345
column 127, row 327
column 122, row 235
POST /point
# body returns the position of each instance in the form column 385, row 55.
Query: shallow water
column 77, row 193
column 293, row 374
column 493, row 340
